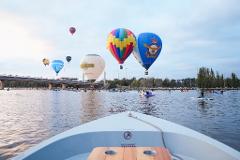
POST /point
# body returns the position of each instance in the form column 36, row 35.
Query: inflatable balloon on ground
column 45, row 61
column 92, row 66
column 149, row 46
column 68, row 58
column 72, row 30
column 121, row 43
column 57, row 65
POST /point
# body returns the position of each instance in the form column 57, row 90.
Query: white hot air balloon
column 92, row 66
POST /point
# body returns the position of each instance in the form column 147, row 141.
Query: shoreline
column 126, row 88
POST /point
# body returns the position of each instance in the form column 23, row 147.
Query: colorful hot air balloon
column 149, row 46
column 45, row 61
column 72, row 30
column 57, row 65
column 68, row 58
column 121, row 43
column 92, row 66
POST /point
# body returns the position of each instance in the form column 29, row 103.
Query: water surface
column 28, row 117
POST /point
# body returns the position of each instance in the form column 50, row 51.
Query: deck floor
column 129, row 153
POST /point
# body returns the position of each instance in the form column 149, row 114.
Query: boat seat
column 129, row 153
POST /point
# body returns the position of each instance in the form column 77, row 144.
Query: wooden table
column 129, row 153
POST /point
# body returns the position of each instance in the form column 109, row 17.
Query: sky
column 194, row 34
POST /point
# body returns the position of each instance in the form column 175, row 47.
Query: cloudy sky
column 194, row 34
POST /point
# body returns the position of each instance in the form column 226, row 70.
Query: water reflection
column 203, row 106
column 147, row 107
column 91, row 106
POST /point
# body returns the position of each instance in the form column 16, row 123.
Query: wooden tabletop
column 129, row 153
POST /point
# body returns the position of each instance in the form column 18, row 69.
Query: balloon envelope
column 57, row 65
column 121, row 43
column 68, row 58
column 148, row 48
column 72, row 30
column 45, row 61
column 92, row 66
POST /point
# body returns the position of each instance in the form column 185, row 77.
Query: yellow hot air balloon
column 92, row 66
column 45, row 61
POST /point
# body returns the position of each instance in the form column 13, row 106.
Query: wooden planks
column 98, row 153
column 142, row 156
column 129, row 153
column 162, row 153
column 118, row 156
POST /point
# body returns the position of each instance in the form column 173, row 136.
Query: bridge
column 51, row 83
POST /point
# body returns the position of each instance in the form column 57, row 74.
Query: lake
column 28, row 117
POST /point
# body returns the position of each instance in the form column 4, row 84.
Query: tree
column 234, row 80
column 166, row 82
column 158, row 82
column 173, row 83
column 135, row 84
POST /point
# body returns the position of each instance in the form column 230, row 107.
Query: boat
column 130, row 134
column 202, row 98
column 205, row 98
column 146, row 94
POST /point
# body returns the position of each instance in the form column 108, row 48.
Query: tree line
column 206, row 78
column 153, row 82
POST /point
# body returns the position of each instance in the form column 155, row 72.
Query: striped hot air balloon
column 121, row 43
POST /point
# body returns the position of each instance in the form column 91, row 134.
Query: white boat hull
column 133, row 129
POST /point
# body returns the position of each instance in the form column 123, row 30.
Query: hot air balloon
column 121, row 43
column 68, row 58
column 92, row 66
column 57, row 65
column 149, row 46
column 72, row 30
column 45, row 61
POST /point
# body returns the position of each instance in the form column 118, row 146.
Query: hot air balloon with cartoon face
column 149, row 46
column 45, row 61
column 57, row 65
column 92, row 66
column 120, row 43
column 72, row 30
column 68, row 58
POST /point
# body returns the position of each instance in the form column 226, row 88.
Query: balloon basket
column 146, row 72
column 121, row 67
